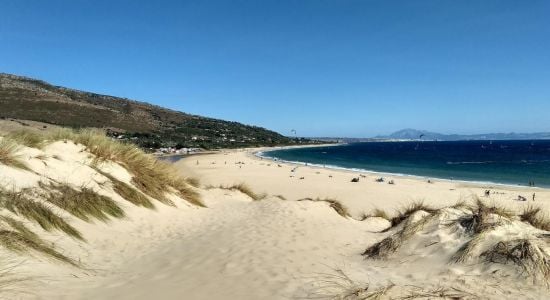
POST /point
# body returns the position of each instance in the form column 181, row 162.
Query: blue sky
column 324, row 68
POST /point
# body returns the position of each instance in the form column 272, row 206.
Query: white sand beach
column 272, row 248
column 277, row 178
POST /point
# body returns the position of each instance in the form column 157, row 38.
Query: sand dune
column 273, row 248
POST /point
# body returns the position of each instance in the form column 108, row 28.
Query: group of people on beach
column 520, row 197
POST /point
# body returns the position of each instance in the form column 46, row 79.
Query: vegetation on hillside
column 147, row 125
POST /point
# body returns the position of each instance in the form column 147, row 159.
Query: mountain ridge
column 409, row 134
column 414, row 134
column 147, row 124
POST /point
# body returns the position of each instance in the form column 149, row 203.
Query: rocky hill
column 146, row 124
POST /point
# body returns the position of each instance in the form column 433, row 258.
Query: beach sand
column 277, row 178
column 240, row 248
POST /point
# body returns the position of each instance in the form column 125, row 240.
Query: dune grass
column 535, row 217
column 478, row 219
column 245, row 189
column 529, row 255
column 9, row 155
column 405, row 212
column 21, row 243
column 128, row 192
column 467, row 251
column 151, row 176
column 193, row 181
column 493, row 209
column 27, row 138
column 439, row 293
column 337, row 285
column 390, row 244
column 18, row 226
column 17, row 237
column 476, row 222
column 85, row 203
column 22, row 205
column 333, row 203
column 184, row 190
column 376, row 213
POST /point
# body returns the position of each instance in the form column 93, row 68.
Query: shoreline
column 275, row 177
column 260, row 153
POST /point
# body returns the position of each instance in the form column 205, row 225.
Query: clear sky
column 324, row 68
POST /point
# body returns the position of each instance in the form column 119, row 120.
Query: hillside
column 147, row 125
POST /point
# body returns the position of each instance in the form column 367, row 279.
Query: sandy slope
column 237, row 248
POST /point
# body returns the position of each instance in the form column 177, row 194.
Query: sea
column 522, row 162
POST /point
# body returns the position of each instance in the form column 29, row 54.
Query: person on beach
column 534, row 196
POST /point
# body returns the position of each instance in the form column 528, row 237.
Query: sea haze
column 505, row 162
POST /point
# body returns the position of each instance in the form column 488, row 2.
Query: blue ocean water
column 505, row 162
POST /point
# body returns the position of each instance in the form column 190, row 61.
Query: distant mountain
column 413, row 134
column 146, row 124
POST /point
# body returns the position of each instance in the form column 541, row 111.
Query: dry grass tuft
column 389, row 245
column 9, row 155
column 338, row 207
column 21, row 243
column 361, row 293
column 20, row 204
column 127, row 192
column 42, row 157
column 468, row 250
column 439, row 293
column 18, row 226
column 193, row 181
column 461, row 204
column 84, row 203
column 19, row 238
column 339, row 286
column 185, row 191
column 62, row 134
column 333, row 203
column 529, row 255
column 384, row 248
column 479, row 218
column 376, row 213
column 27, row 138
column 534, row 216
column 151, row 176
column 493, row 209
column 405, row 212
column 245, row 189
column 479, row 221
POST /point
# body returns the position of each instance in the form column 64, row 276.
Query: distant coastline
column 468, row 172
column 424, row 135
